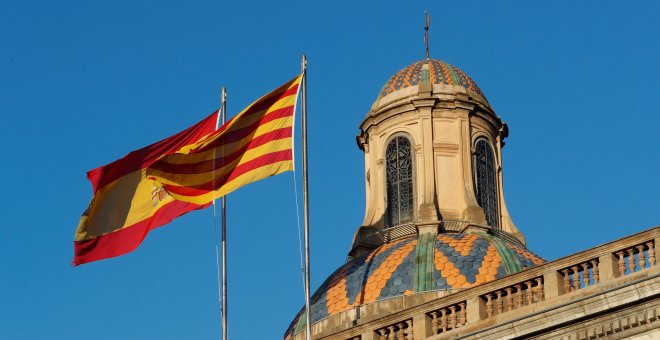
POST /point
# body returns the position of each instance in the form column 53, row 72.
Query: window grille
column 399, row 181
column 486, row 181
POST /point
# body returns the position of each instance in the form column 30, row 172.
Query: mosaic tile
column 439, row 73
column 459, row 261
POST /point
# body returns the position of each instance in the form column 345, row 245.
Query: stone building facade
column 438, row 256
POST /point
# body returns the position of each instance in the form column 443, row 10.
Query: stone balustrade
column 580, row 275
column 514, row 296
column 447, row 318
column 399, row 331
column 637, row 257
column 437, row 314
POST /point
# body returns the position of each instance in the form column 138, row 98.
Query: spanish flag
column 126, row 204
column 152, row 186
column 257, row 143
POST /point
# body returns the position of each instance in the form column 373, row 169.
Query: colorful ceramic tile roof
column 439, row 72
column 416, row 264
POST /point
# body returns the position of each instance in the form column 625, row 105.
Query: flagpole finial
column 303, row 62
column 221, row 114
column 426, row 32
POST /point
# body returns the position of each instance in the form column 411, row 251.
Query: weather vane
column 426, row 32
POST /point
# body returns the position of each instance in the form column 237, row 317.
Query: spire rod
column 426, row 32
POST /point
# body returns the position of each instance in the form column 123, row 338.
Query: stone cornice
column 412, row 102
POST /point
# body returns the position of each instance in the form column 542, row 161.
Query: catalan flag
column 257, row 143
column 126, row 204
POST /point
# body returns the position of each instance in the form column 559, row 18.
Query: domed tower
column 432, row 147
column 436, row 220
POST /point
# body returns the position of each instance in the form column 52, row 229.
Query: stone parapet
column 611, row 289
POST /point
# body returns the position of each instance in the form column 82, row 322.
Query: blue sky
column 83, row 83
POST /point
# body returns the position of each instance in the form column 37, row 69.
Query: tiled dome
column 439, row 73
column 458, row 261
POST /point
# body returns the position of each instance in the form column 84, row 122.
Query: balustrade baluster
column 640, row 256
column 462, row 315
column 409, row 330
column 383, row 334
column 540, row 294
column 631, row 260
column 391, row 333
column 443, row 320
column 434, row 322
column 400, row 334
column 576, row 278
column 528, row 294
column 509, row 299
column 567, row 281
column 621, row 263
column 499, row 303
column 452, row 317
column 489, row 305
column 585, row 274
column 519, row 296
column 594, row 271
column 651, row 246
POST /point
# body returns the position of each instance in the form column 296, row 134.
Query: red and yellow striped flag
column 256, row 144
column 152, row 186
column 126, row 205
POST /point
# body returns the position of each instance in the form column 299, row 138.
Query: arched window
column 399, row 164
column 486, row 181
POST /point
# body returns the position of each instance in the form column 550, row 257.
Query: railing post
column 421, row 326
column 607, row 267
column 553, row 284
column 476, row 310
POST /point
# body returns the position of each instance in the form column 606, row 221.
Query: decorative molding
column 610, row 328
column 427, row 102
column 446, row 148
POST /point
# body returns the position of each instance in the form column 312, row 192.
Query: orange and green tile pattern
column 416, row 264
column 440, row 72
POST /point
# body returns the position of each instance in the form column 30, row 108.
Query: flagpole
column 308, row 326
column 223, row 208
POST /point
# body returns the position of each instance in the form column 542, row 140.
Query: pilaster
column 552, row 284
column 607, row 267
column 476, row 310
column 426, row 197
column 421, row 326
